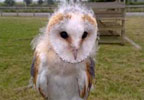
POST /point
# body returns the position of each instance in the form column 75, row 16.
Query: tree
column 28, row 2
column 40, row 2
column 49, row 1
column 101, row 0
column 9, row 2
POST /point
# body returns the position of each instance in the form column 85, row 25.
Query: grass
column 135, row 10
column 119, row 69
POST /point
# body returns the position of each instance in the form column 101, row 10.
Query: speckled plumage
column 63, row 66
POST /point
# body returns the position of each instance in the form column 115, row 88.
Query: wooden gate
column 111, row 20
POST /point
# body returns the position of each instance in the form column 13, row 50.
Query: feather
column 92, row 67
column 34, row 67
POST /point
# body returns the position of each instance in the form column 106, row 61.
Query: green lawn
column 119, row 69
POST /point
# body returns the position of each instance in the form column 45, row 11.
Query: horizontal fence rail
column 14, row 8
column 44, row 11
column 26, row 11
column 135, row 8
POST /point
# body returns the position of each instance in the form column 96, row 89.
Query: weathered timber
column 111, row 20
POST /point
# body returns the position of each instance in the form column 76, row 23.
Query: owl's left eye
column 64, row 35
column 84, row 35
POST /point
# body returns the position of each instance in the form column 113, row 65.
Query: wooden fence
column 135, row 8
column 34, row 11
column 25, row 11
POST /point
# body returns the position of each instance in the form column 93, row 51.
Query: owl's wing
column 34, row 72
column 90, row 74
column 34, row 67
column 91, row 67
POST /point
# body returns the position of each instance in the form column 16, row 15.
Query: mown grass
column 119, row 69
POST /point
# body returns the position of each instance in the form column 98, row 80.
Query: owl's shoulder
column 89, row 76
column 43, row 54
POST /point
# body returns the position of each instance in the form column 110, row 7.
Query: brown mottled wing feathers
column 34, row 67
column 92, row 67
column 90, row 72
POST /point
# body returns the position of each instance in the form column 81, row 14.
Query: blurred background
column 119, row 61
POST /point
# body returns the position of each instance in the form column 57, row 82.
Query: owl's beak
column 75, row 53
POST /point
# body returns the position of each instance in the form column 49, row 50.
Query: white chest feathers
column 58, row 86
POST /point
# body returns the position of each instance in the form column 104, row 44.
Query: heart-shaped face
column 73, row 36
column 72, row 33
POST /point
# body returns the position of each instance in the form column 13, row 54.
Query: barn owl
column 63, row 65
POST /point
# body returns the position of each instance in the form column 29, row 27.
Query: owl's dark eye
column 84, row 35
column 64, row 35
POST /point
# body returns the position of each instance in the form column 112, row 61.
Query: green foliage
column 50, row 2
column 28, row 2
column 40, row 2
column 136, row 3
column 9, row 2
column 28, row 10
column 101, row 0
column 2, row 4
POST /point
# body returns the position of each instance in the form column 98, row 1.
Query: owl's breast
column 57, row 86
column 55, row 65
column 58, row 80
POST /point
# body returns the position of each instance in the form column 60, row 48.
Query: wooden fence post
column 1, row 13
column 33, row 13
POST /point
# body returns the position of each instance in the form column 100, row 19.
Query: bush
column 40, row 2
column 2, row 4
column 9, row 2
column 20, row 4
column 50, row 2
column 28, row 2
column 101, row 0
column 136, row 3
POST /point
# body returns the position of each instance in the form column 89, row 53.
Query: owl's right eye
column 85, row 34
column 64, row 35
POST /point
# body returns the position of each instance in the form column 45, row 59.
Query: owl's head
column 72, row 32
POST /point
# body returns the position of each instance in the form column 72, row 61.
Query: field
column 119, row 69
